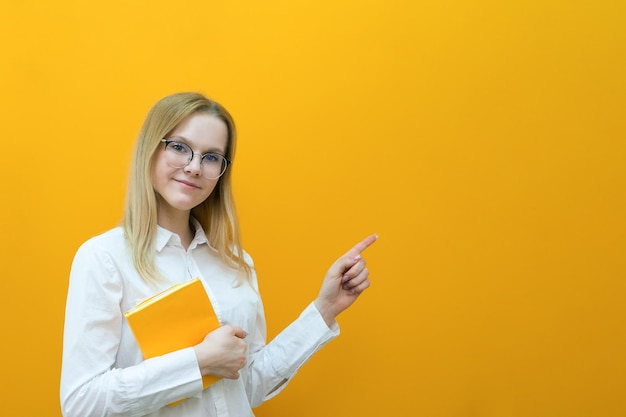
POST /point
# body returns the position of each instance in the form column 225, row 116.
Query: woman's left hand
column 346, row 279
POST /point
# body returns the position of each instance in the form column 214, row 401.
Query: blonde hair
column 216, row 214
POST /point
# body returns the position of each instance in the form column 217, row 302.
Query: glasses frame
column 201, row 155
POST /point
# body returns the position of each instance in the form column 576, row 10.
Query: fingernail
column 356, row 258
column 344, row 279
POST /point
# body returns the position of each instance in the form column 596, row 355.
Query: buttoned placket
column 219, row 396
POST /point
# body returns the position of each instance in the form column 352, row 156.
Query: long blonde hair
column 216, row 214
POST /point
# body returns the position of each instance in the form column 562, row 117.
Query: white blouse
column 103, row 371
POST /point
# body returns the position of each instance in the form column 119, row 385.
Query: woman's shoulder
column 110, row 241
column 104, row 252
column 246, row 257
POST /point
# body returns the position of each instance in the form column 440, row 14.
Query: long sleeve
column 274, row 365
column 91, row 382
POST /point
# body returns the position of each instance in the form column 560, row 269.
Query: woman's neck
column 177, row 222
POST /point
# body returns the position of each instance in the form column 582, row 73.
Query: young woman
column 180, row 223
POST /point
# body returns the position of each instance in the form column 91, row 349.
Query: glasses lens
column 178, row 154
column 213, row 165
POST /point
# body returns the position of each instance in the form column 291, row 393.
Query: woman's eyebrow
column 186, row 141
column 218, row 151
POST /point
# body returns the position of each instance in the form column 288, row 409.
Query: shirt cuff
column 301, row 339
column 171, row 377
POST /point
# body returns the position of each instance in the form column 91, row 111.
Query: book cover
column 176, row 318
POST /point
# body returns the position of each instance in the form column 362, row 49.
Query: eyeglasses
column 179, row 155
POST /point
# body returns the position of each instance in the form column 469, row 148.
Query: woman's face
column 181, row 189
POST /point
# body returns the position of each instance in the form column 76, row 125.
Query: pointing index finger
column 361, row 246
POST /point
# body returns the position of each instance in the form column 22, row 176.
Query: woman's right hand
column 222, row 353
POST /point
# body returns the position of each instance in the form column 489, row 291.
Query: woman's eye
column 212, row 157
column 179, row 147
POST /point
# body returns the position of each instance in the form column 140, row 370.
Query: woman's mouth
column 186, row 184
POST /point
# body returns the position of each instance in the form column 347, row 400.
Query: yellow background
column 483, row 140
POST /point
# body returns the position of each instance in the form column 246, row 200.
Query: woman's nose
column 195, row 165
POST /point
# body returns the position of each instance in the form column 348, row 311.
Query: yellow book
column 176, row 318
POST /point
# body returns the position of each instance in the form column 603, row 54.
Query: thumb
column 239, row 332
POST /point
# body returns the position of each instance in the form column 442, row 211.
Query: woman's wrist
column 326, row 312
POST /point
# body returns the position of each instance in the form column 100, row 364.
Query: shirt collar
column 166, row 237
